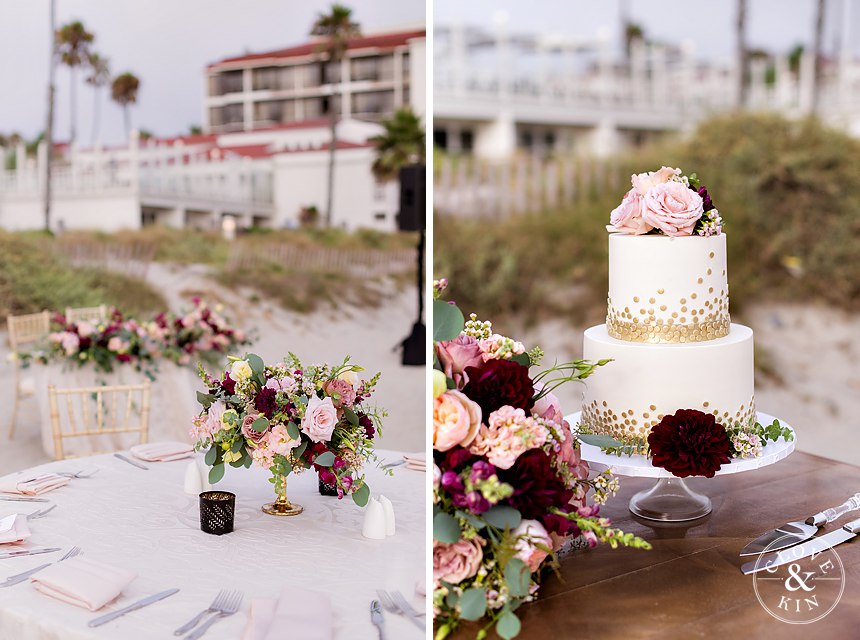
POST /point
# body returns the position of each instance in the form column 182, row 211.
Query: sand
column 370, row 336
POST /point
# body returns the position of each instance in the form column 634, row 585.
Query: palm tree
column 741, row 28
column 98, row 77
column 401, row 144
column 123, row 91
column 73, row 44
column 816, row 51
column 337, row 28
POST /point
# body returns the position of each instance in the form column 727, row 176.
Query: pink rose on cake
column 642, row 182
column 627, row 216
column 673, row 208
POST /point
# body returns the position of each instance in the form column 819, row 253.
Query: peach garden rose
column 456, row 420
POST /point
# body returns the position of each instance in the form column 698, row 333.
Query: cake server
column 804, row 550
column 792, row 533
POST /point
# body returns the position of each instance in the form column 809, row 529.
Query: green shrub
column 789, row 193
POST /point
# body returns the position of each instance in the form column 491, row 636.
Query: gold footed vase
column 282, row 506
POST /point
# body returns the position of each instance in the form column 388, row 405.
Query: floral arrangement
column 289, row 417
column 203, row 333
column 666, row 202
column 510, row 488
column 692, row 443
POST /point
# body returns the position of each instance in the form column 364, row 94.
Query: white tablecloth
column 172, row 393
column 143, row 521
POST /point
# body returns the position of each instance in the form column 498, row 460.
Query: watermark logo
column 802, row 591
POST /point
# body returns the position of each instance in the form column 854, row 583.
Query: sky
column 166, row 43
column 775, row 25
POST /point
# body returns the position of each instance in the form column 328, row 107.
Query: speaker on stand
column 413, row 217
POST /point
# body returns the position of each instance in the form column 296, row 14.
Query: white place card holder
column 388, row 508
column 374, row 521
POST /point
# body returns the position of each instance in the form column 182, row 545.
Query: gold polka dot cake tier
column 667, row 290
column 644, row 382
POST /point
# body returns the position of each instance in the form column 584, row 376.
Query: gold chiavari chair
column 87, row 314
column 23, row 331
column 100, row 412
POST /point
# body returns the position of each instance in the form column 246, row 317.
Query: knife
column 21, row 577
column 808, row 548
column 95, row 622
column 28, row 552
column 23, row 499
column 792, row 533
column 130, row 461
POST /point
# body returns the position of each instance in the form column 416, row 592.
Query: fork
column 78, row 474
column 376, row 619
column 20, row 577
column 404, row 604
column 230, row 607
column 391, row 606
column 216, row 607
column 41, row 513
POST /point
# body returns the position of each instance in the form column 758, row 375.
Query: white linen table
column 143, row 521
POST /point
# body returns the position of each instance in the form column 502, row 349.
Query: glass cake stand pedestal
column 671, row 499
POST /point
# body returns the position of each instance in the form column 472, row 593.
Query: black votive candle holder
column 327, row 489
column 216, row 512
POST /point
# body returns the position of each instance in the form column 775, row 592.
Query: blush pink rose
column 529, row 535
column 627, row 216
column 249, row 432
column 673, row 208
column 548, row 407
column 456, row 562
column 457, row 354
column 642, row 182
column 456, row 420
column 341, row 391
column 320, row 419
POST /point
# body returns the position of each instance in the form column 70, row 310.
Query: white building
column 261, row 167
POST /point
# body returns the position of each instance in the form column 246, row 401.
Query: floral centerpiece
column 510, row 488
column 669, row 203
column 203, row 334
column 287, row 418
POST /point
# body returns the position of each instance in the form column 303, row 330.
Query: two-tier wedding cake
column 668, row 331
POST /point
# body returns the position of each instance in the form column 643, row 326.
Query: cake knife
column 792, row 533
column 804, row 550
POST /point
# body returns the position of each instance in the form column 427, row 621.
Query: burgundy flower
column 689, row 443
column 228, row 384
column 265, row 402
column 454, row 459
column 367, row 424
column 498, row 383
column 707, row 205
column 537, row 486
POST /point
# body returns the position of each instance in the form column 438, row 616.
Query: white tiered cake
column 670, row 338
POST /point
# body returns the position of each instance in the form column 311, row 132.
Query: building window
column 440, row 139
column 227, row 82
column 312, row 108
column 273, row 78
column 373, row 105
column 226, row 117
column 466, row 140
column 372, row 69
column 270, row 112
column 379, row 216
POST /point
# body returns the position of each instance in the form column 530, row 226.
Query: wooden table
column 690, row 584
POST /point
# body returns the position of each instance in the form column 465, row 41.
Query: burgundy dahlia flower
column 689, row 443
column 537, row 485
column 498, row 383
column 265, row 402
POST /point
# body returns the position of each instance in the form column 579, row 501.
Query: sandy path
column 815, row 350
column 368, row 335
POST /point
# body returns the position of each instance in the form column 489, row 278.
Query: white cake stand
column 670, row 499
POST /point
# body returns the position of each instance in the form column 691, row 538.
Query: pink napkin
column 415, row 461
column 32, row 485
column 83, row 582
column 14, row 529
column 162, row 451
column 307, row 615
